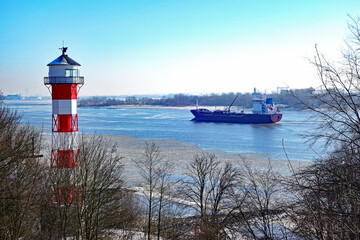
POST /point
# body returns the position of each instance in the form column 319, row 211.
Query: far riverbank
column 211, row 108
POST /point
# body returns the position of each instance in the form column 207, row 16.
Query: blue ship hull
column 204, row 115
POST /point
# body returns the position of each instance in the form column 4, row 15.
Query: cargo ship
column 263, row 111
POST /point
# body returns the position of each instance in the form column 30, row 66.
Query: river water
column 175, row 124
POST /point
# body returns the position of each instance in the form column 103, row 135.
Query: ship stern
column 276, row 117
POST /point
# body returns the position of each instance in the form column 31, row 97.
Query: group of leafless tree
column 30, row 205
column 211, row 199
column 328, row 192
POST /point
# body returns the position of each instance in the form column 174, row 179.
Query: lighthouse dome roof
column 64, row 60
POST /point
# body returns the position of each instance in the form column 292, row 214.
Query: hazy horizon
column 163, row 47
column 147, row 95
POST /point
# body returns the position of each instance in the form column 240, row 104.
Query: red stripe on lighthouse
column 65, row 158
column 65, row 123
column 64, row 91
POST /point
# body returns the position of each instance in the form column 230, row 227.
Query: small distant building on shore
column 34, row 98
column 13, row 97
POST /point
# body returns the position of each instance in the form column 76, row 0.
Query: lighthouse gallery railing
column 59, row 80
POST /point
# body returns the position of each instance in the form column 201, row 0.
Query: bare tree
column 328, row 193
column 207, row 185
column 99, row 201
column 102, row 187
column 326, row 197
column 336, row 102
column 258, row 204
column 155, row 173
column 20, row 174
column 163, row 174
column 19, row 201
column 148, row 164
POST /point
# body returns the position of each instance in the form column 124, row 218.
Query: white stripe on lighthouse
column 65, row 141
column 64, row 106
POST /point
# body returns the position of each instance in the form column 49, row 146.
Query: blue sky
column 160, row 47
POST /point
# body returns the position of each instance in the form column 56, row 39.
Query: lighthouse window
column 71, row 73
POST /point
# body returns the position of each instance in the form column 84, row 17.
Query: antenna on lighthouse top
column 63, row 49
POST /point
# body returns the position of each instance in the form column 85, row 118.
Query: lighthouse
column 64, row 82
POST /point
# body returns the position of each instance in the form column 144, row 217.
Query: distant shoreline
column 179, row 107
column 158, row 107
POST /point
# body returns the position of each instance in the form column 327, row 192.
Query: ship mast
column 232, row 103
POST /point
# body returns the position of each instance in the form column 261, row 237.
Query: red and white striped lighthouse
column 64, row 83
